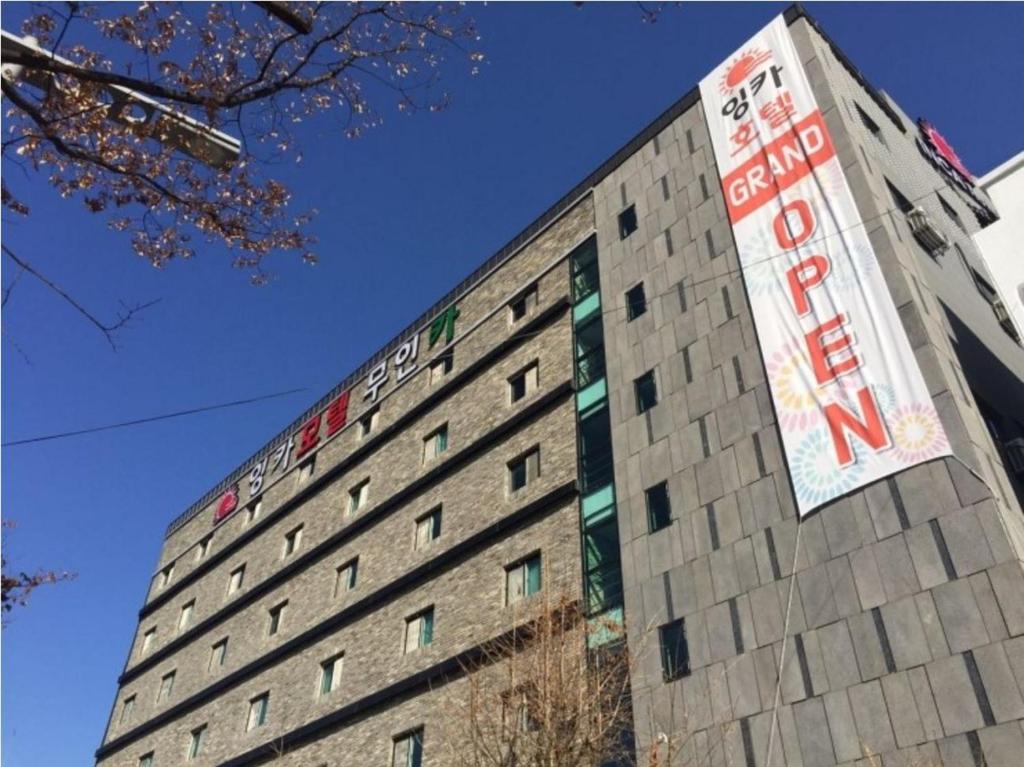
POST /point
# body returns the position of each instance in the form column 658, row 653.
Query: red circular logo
column 228, row 503
column 943, row 148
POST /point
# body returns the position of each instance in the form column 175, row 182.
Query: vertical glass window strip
column 330, row 674
column 407, row 750
column 659, row 509
column 346, row 579
column 196, row 742
column 258, row 708
column 675, row 654
column 636, row 302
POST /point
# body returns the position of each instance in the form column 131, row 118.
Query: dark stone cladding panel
column 542, row 320
column 357, row 526
column 508, row 525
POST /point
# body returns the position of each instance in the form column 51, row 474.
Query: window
column 147, row 640
column 589, row 352
column 868, row 123
column 330, row 674
column 664, row 188
column 236, row 579
column 127, row 709
column 522, row 579
column 306, row 469
column 659, row 509
column 428, row 529
column 524, row 470
column 166, row 687
column 276, row 618
column 292, row 541
column 523, row 384
column 627, row 222
column 146, row 760
column 585, row 278
column 435, row 443
column 951, row 212
column 347, row 575
column 258, row 711
column 218, row 654
column 166, row 574
column 703, row 187
column 203, row 547
column 675, row 655
column 186, row 614
column 408, row 749
column 197, row 741
column 357, row 496
column 419, row 630
column 646, row 391
column 520, row 307
column 252, row 511
column 898, row 198
column 442, row 366
column 595, row 449
column 636, row 302
column 368, row 423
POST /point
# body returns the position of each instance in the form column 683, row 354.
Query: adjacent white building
column 1002, row 243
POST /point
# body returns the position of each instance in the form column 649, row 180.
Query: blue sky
column 406, row 212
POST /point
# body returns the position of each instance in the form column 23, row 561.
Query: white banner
column 851, row 402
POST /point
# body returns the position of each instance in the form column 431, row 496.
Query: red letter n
column 870, row 431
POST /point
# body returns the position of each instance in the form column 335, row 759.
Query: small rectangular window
column 627, row 222
column 703, row 187
column 675, row 655
column 368, row 423
column 659, row 509
column 166, row 687
column 646, row 391
column 218, row 654
column 127, row 709
column 147, row 640
column 898, row 198
column 185, row 618
column 435, row 443
column 951, row 212
column 346, row 577
column 330, row 674
column 428, row 529
column 407, row 749
column 524, row 470
column 252, row 511
column 258, row 708
column 236, row 579
column 203, row 547
column 636, row 302
column 868, row 123
column 166, row 574
column 146, row 760
column 197, row 740
column 522, row 579
column 521, row 306
column 306, row 469
column 357, row 496
column 276, row 614
column 292, row 541
column 664, row 188
column 442, row 366
column 419, row 630
column 523, row 384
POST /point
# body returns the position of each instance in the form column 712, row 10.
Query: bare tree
column 19, row 585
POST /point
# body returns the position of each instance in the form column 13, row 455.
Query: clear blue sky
column 407, row 211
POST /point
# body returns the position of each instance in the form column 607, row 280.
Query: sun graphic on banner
column 741, row 68
column 817, row 476
column 797, row 402
column 916, row 433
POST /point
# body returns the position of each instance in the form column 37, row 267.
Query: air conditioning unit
column 930, row 236
column 1015, row 455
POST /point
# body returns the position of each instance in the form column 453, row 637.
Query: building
column 599, row 385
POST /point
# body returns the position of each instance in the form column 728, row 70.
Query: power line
column 150, row 419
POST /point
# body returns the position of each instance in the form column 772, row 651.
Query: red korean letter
column 310, row 436
column 337, row 413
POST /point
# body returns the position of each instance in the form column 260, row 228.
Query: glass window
column 627, row 222
column 330, row 674
column 583, row 262
column 428, row 528
column 357, row 496
column 166, row 574
column 435, row 443
column 521, row 306
column 196, row 742
column 346, row 580
column 146, row 760
column 218, row 654
column 252, row 511
column 127, row 709
column 900, row 200
column 603, row 581
column 868, row 123
column 636, row 302
column 659, row 510
column 522, row 579
column 442, row 366
column 407, row 750
column 523, row 383
column 276, row 618
column 951, row 212
column 185, row 617
column 147, row 640
column 596, row 465
column 236, row 579
column 419, row 630
column 203, row 547
column 589, row 352
column 166, row 686
column 646, row 391
column 258, row 708
column 524, row 470
column 675, row 655
column 306, row 468
column 292, row 541
column 368, row 423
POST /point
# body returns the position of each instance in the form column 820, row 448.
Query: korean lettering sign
column 851, row 402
